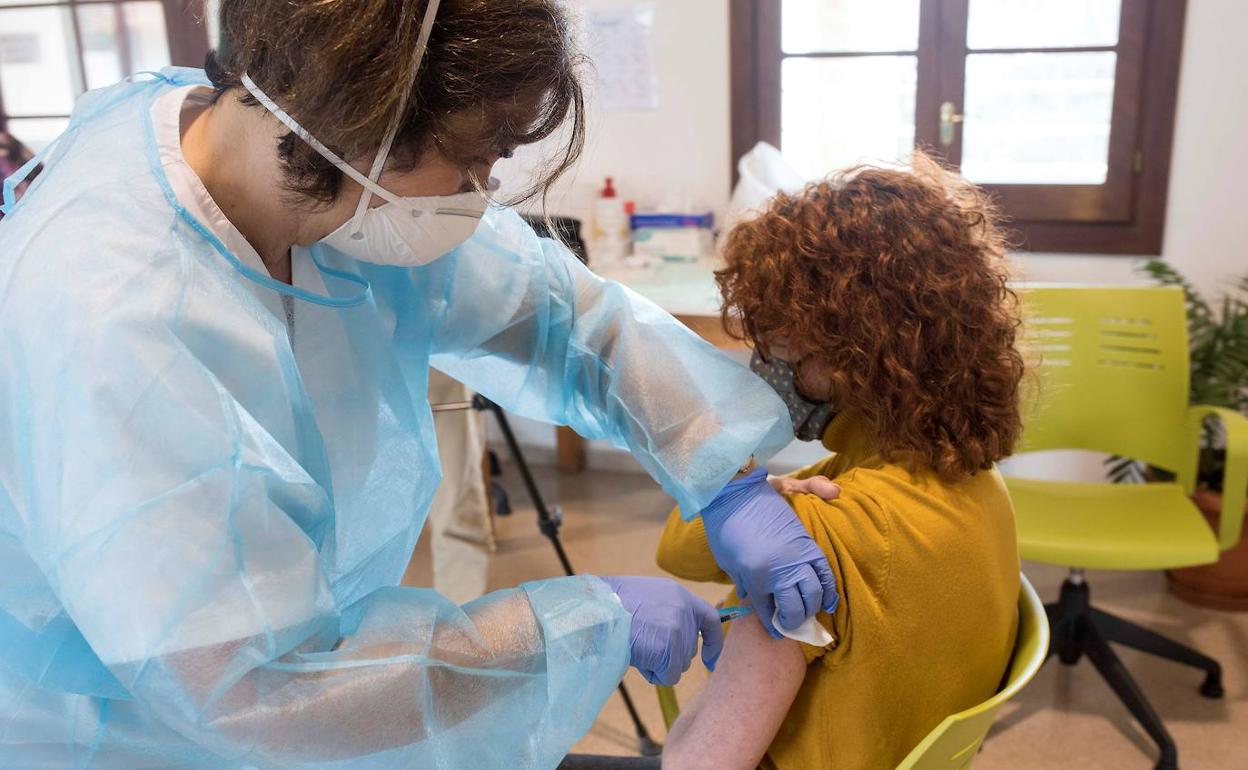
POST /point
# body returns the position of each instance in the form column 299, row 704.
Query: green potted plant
column 1219, row 377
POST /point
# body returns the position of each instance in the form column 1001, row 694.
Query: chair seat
column 1110, row 526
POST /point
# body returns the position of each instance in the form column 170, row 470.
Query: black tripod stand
column 549, row 524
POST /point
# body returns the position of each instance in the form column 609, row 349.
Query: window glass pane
column 1038, row 118
column 38, row 71
column 849, row 25
column 1042, row 23
column 841, row 111
column 30, row 2
column 149, row 44
column 101, row 55
column 36, row 133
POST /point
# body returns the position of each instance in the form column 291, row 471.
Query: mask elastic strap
column 10, row 184
column 383, row 152
column 321, row 149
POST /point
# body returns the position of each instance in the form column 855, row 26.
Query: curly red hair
column 893, row 285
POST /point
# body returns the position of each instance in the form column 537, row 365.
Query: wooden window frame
column 1126, row 215
column 186, row 35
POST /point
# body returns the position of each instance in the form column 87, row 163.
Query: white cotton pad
column 809, row 632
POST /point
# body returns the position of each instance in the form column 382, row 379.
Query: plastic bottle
column 612, row 236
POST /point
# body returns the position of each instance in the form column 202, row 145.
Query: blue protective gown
column 202, row 523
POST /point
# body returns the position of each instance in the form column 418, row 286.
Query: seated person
column 878, row 308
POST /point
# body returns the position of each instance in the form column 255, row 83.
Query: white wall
column 681, row 146
column 1206, row 227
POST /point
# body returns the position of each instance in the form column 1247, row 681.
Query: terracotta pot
column 1222, row 585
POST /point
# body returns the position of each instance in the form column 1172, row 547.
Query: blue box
column 671, row 221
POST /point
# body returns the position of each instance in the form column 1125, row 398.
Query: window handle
column 948, row 117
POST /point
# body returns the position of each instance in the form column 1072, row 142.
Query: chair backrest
column 566, row 230
column 955, row 741
column 1109, row 372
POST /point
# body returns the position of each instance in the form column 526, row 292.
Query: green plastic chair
column 1111, row 375
column 955, row 741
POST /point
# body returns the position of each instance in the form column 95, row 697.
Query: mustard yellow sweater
column 928, row 576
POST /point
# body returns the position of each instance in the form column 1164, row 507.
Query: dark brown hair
column 495, row 75
column 895, row 281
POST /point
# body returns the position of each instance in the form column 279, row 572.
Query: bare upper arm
column 733, row 720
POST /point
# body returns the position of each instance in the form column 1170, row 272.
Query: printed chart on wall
column 621, row 44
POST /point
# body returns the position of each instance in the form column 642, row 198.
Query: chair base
column 1079, row 629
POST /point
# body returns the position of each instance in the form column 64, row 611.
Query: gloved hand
column 758, row 541
column 666, row 620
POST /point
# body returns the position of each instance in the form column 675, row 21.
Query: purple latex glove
column 758, row 541
column 663, row 637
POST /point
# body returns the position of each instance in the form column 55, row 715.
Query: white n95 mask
column 403, row 231
column 411, row 231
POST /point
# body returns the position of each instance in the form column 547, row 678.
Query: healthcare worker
column 218, row 305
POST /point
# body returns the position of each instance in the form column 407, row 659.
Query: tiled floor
column 1067, row 718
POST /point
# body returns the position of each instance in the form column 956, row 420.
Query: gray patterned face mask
column 810, row 418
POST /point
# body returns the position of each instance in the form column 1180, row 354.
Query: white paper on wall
column 621, row 45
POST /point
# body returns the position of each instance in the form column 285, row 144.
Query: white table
column 686, row 290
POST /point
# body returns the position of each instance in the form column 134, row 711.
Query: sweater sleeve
column 684, row 551
column 852, row 531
